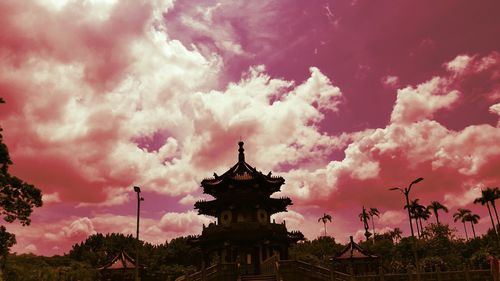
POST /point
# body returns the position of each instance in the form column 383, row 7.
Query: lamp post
column 139, row 199
column 406, row 192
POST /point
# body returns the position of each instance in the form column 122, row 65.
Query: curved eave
column 277, row 205
column 242, row 171
column 209, row 208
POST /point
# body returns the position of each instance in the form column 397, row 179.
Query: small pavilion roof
column 120, row 261
column 354, row 251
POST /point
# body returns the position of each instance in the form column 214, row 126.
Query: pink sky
column 343, row 99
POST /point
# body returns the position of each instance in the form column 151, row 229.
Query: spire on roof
column 241, row 156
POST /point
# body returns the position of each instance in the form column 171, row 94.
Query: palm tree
column 373, row 212
column 460, row 215
column 487, row 197
column 435, row 206
column 493, row 193
column 395, row 234
column 496, row 195
column 473, row 219
column 364, row 217
column 325, row 218
column 422, row 213
column 417, row 212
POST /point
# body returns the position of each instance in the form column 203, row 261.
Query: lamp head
column 417, row 180
column 137, row 189
column 395, row 188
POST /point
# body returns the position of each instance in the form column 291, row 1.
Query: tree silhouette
column 395, row 234
column 364, row 217
column 435, row 206
column 374, row 212
column 418, row 212
column 460, row 215
column 422, row 214
column 473, row 219
column 325, row 218
column 488, row 197
column 17, row 198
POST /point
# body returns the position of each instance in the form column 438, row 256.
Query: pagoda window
column 226, row 217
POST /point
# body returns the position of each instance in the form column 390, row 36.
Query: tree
column 364, row 217
column 421, row 213
column 17, row 198
column 460, row 216
column 395, row 234
column 435, row 206
column 418, row 212
column 373, row 212
column 488, row 196
column 325, row 218
column 492, row 194
column 7, row 240
column 473, row 219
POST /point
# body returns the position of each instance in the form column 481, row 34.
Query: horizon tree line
column 419, row 213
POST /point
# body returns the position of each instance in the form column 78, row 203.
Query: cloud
column 451, row 161
column 393, row 218
column 31, row 248
column 51, row 198
column 147, row 102
column 459, row 63
column 415, row 104
column 183, row 223
column 189, row 200
column 390, row 80
column 495, row 109
column 160, row 129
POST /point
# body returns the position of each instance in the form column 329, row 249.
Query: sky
column 343, row 99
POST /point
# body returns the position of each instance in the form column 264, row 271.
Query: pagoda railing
column 296, row 270
column 217, row 272
column 270, row 265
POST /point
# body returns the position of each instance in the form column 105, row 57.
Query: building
column 243, row 232
column 121, row 267
column 355, row 260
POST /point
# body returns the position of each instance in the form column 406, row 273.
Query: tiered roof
column 241, row 173
column 120, row 261
column 354, row 251
column 242, row 181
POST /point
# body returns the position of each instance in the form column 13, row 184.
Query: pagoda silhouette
column 243, row 233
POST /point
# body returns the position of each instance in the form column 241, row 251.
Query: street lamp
column 139, row 199
column 406, row 192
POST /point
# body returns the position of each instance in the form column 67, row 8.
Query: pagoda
column 243, row 232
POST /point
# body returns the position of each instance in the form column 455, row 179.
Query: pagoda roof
column 242, row 172
column 353, row 251
column 274, row 205
column 120, row 261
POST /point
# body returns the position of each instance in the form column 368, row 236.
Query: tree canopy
column 17, row 198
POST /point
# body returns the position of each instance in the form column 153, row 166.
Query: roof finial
column 241, row 156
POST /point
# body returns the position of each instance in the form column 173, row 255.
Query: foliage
column 325, row 218
column 435, row 206
column 168, row 259
column 439, row 247
column 488, row 197
column 317, row 251
column 17, row 198
column 7, row 240
column 29, row 267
